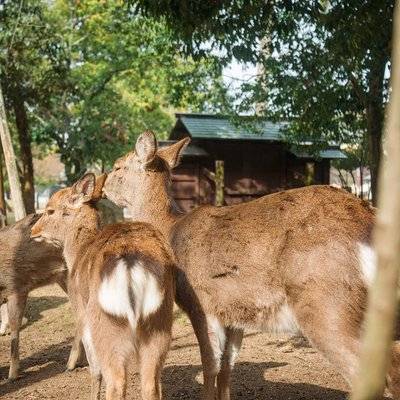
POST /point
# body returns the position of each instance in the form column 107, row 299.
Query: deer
column 296, row 260
column 121, row 285
column 24, row 266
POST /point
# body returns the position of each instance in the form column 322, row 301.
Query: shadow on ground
column 37, row 305
column 181, row 382
column 53, row 359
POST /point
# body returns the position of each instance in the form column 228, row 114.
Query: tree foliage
column 232, row 27
column 324, row 64
column 94, row 76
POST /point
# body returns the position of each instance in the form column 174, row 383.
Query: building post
column 309, row 173
column 219, row 183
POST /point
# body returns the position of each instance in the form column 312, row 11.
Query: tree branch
column 358, row 89
column 103, row 84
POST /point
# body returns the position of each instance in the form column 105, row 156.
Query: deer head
column 67, row 208
column 144, row 172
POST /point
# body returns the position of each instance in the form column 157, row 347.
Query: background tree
column 84, row 78
column 27, row 71
column 325, row 66
column 126, row 76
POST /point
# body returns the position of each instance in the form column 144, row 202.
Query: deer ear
column 98, row 188
column 173, row 153
column 83, row 190
column 146, row 147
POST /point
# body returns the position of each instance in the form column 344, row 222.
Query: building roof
column 210, row 126
column 189, row 151
column 332, row 153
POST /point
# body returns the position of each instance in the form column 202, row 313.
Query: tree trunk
column 375, row 143
column 25, row 144
column 261, row 105
column 11, row 163
column 361, row 182
column 3, row 206
column 73, row 170
column 381, row 313
column 374, row 112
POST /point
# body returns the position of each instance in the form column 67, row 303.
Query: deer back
column 24, row 263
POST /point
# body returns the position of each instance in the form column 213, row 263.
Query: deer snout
column 36, row 233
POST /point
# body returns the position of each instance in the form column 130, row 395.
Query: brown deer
column 120, row 284
column 24, row 266
column 295, row 260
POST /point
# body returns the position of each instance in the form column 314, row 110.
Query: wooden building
column 255, row 163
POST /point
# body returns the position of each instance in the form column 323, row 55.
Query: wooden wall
column 252, row 169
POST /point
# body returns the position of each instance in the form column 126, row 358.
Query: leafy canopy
column 317, row 59
column 95, row 76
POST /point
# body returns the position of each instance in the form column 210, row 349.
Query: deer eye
column 50, row 211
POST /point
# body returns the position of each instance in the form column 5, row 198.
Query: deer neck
column 156, row 207
column 80, row 235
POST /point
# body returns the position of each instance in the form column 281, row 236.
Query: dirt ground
column 269, row 367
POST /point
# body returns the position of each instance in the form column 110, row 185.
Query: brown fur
column 92, row 255
column 25, row 266
column 290, row 257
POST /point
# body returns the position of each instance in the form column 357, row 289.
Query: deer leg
column 16, row 307
column 114, row 369
column 211, row 337
column 333, row 333
column 95, row 381
column 151, row 355
column 4, row 319
column 76, row 356
column 115, row 376
column 210, row 334
column 232, row 346
column 94, row 366
column 77, row 353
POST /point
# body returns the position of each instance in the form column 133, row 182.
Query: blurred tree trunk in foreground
column 3, row 206
column 11, row 164
column 382, row 308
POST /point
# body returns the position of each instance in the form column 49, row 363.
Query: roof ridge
column 225, row 116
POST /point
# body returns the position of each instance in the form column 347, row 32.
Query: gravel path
column 269, row 367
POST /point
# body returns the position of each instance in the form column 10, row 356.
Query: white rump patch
column 146, row 291
column 367, row 257
column 115, row 298
column 114, row 292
